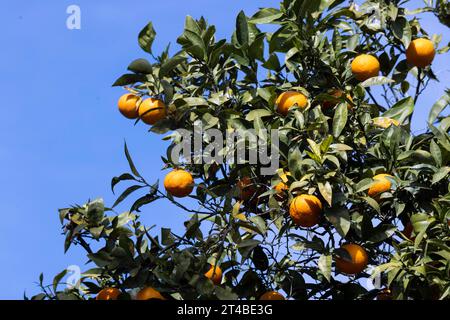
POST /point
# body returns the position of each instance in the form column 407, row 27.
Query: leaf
column 376, row 81
column 126, row 193
column 259, row 259
column 122, row 177
column 382, row 232
column 130, row 162
column 166, row 237
column 441, row 174
column 257, row 113
column 324, row 265
column 242, row 32
column 401, row 110
column 402, row 30
column 339, row 119
column 326, row 191
column 372, row 203
column 128, row 79
column 58, row 278
column 294, row 159
column 436, row 153
column 169, row 65
column 140, row 66
column 340, row 218
column 146, row 37
column 266, row 15
column 438, row 107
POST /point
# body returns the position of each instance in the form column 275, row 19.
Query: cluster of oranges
column 149, row 110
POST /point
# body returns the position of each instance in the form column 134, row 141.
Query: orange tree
column 356, row 195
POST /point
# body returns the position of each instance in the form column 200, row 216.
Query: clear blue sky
column 62, row 134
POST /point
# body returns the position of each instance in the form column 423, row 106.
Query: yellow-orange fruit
column 359, row 259
column 385, row 122
column 149, row 293
column 152, row 110
column 365, row 66
column 179, row 183
column 382, row 184
column 384, row 295
column 305, row 210
column 281, row 187
column 336, row 93
column 420, row 52
column 272, row 295
column 128, row 105
column 214, row 274
column 290, row 99
column 108, row 294
column 246, row 188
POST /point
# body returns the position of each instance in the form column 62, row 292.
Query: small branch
column 419, row 82
column 374, row 100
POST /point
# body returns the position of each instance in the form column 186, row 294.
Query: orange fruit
column 359, row 259
column 246, row 188
column 384, row 122
column 108, row 294
column 336, row 93
column 365, row 66
column 128, row 105
column 214, row 274
column 179, row 183
column 281, row 187
column 148, row 293
column 420, row 52
column 290, row 99
column 152, row 110
column 272, row 295
column 305, row 210
column 381, row 184
column 384, row 295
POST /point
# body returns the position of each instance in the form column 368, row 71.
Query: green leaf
column 58, row 278
column 324, row 265
column 382, row 232
column 402, row 30
column 376, row 81
column 266, row 15
column 130, row 162
column 242, row 30
column 441, row 174
column 326, row 191
column 146, row 37
column 128, row 79
column 169, row 65
column 257, row 113
column 438, row 107
column 126, row 193
column 140, row 66
column 401, row 110
column 122, row 177
column 340, row 218
column 339, row 119
column 294, row 159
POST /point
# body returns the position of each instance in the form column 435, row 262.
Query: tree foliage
column 333, row 153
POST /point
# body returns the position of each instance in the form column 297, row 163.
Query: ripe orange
column 152, row 110
column 305, row 210
column 381, row 184
column 148, row 293
column 108, row 294
column 272, row 295
column 214, row 274
column 246, row 188
column 336, row 93
column 384, row 295
column 290, row 99
column 179, row 183
column 420, row 52
column 281, row 187
column 385, row 122
column 365, row 66
column 128, row 105
column 359, row 259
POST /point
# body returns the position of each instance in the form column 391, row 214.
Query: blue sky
column 62, row 135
